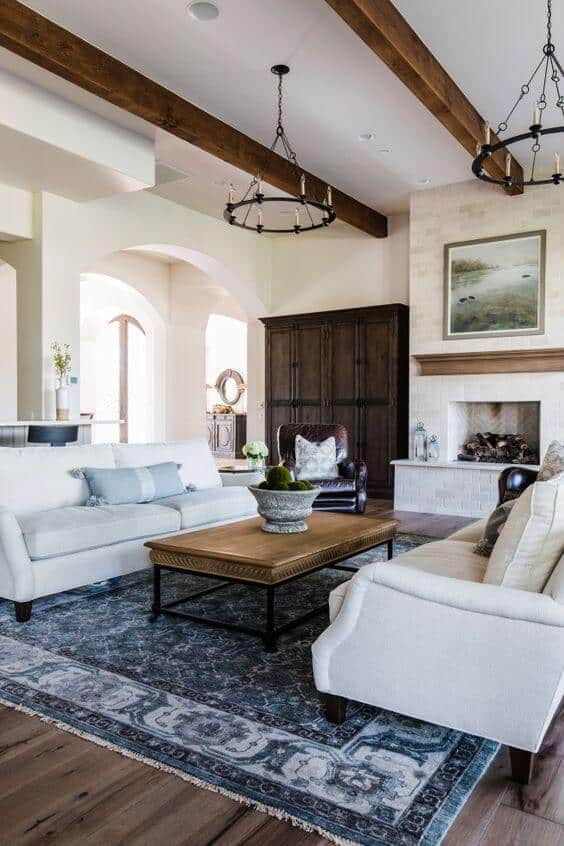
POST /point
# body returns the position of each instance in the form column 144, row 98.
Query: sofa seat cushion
column 453, row 558
column 212, row 506
column 62, row 531
column 471, row 533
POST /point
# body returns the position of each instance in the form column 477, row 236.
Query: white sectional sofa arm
column 478, row 658
column 467, row 596
column 16, row 571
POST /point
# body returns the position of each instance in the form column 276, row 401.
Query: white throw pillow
column 532, row 540
column 316, row 460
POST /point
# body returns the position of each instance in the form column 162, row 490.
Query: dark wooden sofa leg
column 335, row 708
column 521, row 765
column 23, row 611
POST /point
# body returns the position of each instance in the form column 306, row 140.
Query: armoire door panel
column 376, row 447
column 344, row 361
column 310, row 364
column 309, row 413
column 377, row 361
column 280, row 361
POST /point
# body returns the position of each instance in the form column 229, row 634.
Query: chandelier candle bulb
column 329, row 196
column 508, row 165
column 536, row 116
column 297, row 218
column 556, row 163
column 302, row 185
column 230, row 195
column 259, row 186
column 487, row 133
column 260, row 218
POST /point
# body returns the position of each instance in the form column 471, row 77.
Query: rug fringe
column 263, row 808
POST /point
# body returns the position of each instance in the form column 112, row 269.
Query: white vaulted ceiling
column 337, row 88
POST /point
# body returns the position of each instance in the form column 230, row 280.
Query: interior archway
column 122, row 360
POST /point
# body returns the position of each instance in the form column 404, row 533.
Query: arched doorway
column 120, row 353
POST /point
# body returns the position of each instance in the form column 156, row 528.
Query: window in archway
column 121, row 379
column 128, row 337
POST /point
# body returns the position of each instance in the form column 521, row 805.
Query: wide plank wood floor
column 58, row 788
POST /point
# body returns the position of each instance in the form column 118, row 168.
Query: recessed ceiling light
column 426, row 180
column 203, row 10
column 384, row 150
column 366, row 136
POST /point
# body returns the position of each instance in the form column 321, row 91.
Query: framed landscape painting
column 495, row 287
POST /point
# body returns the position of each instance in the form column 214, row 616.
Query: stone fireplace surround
column 464, row 212
column 456, row 407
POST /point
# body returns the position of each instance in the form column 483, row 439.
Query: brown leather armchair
column 514, row 480
column 347, row 491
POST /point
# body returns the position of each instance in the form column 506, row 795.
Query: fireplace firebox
column 500, row 449
column 494, row 432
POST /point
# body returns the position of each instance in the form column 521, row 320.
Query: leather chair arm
column 290, row 465
column 347, row 468
column 513, row 481
column 361, row 475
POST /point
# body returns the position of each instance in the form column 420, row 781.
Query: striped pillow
column 131, row 484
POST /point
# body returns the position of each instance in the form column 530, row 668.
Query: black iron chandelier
column 311, row 212
column 548, row 67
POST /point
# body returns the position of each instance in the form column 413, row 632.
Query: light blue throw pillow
column 131, row 484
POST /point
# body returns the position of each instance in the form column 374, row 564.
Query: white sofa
column 51, row 541
column 423, row 636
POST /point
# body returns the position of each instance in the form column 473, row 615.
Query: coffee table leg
column 390, row 549
column 269, row 634
column 156, row 592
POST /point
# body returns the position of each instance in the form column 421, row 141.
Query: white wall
column 465, row 212
column 8, row 344
column 218, row 270
column 340, row 268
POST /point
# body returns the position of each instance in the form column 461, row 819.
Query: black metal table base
column 270, row 633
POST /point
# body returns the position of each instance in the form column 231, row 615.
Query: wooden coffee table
column 242, row 553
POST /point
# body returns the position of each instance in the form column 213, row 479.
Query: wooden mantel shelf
column 496, row 361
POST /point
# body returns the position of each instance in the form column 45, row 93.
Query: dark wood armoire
column 349, row 367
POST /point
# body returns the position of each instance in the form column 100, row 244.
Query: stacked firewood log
column 502, row 449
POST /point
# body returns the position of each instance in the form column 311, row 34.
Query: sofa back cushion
column 532, row 540
column 197, row 463
column 40, row 478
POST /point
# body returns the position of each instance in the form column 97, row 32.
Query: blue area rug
column 213, row 706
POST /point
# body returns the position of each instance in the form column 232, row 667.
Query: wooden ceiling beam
column 34, row 37
column 379, row 24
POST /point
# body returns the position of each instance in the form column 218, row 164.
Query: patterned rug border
column 270, row 810
column 447, row 810
column 433, row 836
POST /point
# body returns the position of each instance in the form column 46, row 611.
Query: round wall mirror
column 230, row 386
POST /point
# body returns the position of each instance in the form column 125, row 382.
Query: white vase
column 62, row 402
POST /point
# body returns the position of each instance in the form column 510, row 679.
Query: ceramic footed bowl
column 285, row 512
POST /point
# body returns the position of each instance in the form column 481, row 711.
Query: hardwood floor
column 58, row 788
